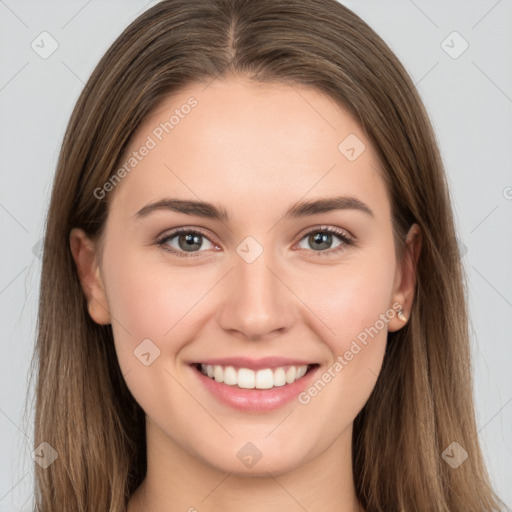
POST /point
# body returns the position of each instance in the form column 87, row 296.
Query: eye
column 322, row 238
column 187, row 241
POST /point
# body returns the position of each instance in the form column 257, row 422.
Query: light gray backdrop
column 459, row 54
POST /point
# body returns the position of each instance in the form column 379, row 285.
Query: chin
column 248, row 461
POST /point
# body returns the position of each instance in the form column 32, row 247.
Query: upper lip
column 254, row 364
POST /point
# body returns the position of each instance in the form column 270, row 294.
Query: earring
column 402, row 316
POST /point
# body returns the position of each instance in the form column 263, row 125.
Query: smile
column 246, row 378
column 269, row 385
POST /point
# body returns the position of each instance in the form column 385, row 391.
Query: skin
column 254, row 150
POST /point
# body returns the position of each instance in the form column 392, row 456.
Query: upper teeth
column 250, row 379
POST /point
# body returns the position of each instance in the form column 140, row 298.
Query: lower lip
column 258, row 400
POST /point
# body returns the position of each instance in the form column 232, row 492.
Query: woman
column 197, row 349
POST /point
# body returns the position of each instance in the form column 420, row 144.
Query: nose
column 258, row 303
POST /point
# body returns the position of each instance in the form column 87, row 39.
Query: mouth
column 247, row 378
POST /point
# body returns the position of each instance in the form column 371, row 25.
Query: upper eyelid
column 325, row 227
column 172, row 233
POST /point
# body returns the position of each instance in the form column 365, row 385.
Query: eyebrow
column 298, row 210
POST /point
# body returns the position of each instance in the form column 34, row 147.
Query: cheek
column 351, row 308
column 152, row 309
column 349, row 298
column 150, row 300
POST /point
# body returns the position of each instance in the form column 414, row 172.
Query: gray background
column 469, row 99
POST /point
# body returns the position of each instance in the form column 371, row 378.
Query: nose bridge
column 256, row 286
column 256, row 281
column 258, row 302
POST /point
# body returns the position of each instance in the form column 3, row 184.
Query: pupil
column 323, row 238
column 190, row 240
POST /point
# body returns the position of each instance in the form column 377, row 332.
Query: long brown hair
column 422, row 401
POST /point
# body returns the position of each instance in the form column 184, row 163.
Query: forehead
column 244, row 143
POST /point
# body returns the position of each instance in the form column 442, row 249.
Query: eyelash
column 347, row 241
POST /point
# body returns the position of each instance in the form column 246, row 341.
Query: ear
column 405, row 278
column 86, row 260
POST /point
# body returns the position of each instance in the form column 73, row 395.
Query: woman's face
column 256, row 283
